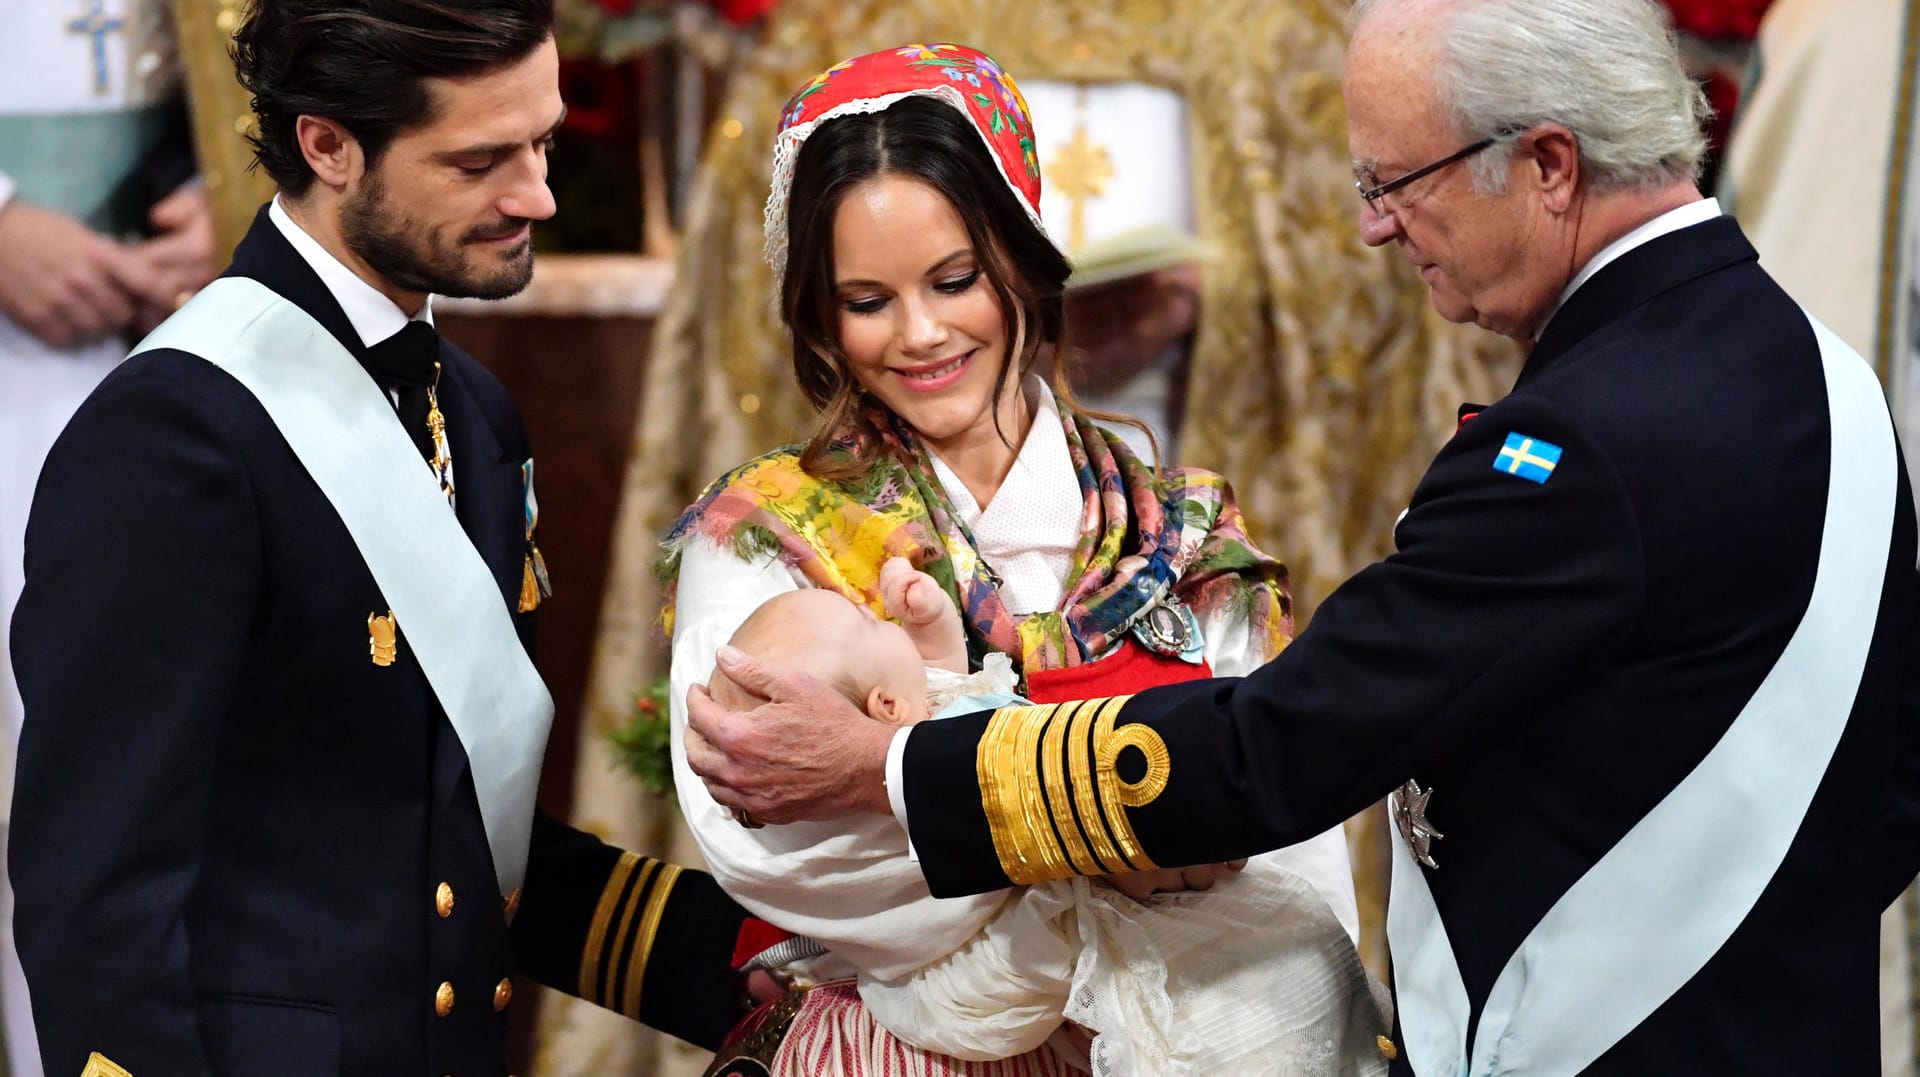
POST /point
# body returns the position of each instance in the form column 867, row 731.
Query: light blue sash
column 446, row 601
column 1656, row 908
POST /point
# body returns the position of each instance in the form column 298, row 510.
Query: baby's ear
column 886, row 706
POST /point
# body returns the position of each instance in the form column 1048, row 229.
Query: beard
column 413, row 258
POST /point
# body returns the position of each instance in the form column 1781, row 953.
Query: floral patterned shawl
column 1145, row 535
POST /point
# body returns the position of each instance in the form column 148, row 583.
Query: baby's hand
column 925, row 611
column 910, row 594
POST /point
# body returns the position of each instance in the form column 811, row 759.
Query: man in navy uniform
column 275, row 802
column 1635, row 673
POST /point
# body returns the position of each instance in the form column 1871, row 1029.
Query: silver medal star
column 1410, row 815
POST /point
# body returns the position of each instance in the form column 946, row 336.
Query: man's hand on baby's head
column 807, row 753
column 910, row 594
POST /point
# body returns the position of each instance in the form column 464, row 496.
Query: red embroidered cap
column 963, row 77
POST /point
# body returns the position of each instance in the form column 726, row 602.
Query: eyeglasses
column 1376, row 196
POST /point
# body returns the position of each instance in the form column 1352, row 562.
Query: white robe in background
column 49, row 68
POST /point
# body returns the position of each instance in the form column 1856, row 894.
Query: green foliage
column 643, row 745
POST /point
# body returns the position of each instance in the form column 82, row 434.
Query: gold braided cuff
column 1051, row 787
column 613, row 964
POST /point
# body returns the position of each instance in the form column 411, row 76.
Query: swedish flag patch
column 1529, row 458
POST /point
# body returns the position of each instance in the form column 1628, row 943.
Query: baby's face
column 879, row 653
column 844, row 638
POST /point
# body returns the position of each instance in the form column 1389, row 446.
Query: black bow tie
column 406, row 359
column 408, row 362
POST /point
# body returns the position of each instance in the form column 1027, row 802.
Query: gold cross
column 1079, row 170
column 97, row 25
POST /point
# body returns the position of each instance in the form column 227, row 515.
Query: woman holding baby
column 948, row 482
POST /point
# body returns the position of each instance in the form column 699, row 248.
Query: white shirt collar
column 1672, row 220
column 374, row 316
column 1029, row 530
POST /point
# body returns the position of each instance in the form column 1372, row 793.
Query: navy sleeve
column 142, row 577
column 1505, row 592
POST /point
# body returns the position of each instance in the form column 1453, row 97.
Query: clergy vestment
column 250, row 837
column 89, row 127
column 1600, row 578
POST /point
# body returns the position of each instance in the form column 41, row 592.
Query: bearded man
column 275, row 806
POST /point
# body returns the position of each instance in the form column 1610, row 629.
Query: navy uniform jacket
column 239, row 847
column 1551, row 659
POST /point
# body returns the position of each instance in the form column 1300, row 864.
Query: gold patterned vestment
column 222, row 116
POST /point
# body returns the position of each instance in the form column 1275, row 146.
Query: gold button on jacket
column 443, row 1000
column 443, row 901
column 502, row 995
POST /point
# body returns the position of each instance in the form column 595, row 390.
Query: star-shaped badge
column 1410, row 815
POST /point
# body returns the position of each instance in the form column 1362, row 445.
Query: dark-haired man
column 275, row 799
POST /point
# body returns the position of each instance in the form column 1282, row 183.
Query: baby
column 1189, row 983
column 900, row 672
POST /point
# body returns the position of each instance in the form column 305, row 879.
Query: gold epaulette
column 1053, row 794
column 613, row 965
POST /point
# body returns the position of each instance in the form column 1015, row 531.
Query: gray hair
column 1608, row 70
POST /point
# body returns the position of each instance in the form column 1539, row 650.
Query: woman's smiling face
column 919, row 323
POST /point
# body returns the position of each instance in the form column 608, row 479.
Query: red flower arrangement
column 1718, row 20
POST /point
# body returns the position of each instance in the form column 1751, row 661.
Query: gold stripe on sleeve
column 610, row 997
column 1086, row 797
column 643, row 948
column 603, row 916
column 1060, row 798
column 1116, row 794
column 1007, row 766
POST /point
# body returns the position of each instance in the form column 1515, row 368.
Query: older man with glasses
column 1639, row 676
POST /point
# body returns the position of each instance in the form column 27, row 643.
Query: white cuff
column 6, row 189
column 896, row 795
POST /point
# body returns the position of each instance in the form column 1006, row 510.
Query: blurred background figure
column 1118, row 200
column 103, row 229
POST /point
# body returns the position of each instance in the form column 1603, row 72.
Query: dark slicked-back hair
column 361, row 64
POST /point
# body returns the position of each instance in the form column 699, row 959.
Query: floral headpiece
column 965, row 78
